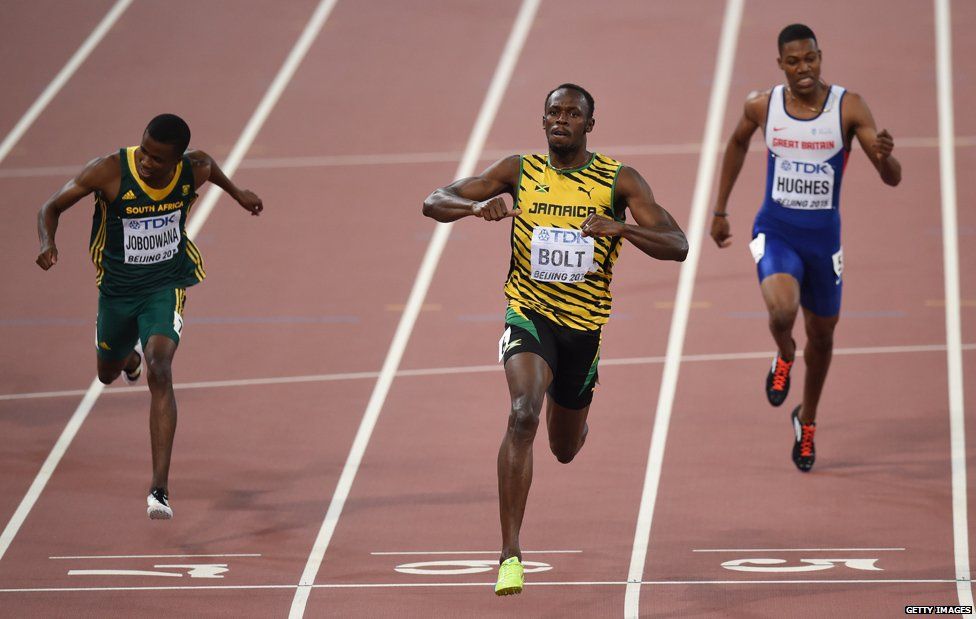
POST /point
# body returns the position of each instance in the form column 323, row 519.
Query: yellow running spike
column 510, row 577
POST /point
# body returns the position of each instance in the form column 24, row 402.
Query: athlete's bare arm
column 101, row 174
column 877, row 145
column 753, row 117
column 206, row 169
column 656, row 234
column 478, row 196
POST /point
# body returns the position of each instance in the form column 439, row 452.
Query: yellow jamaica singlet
column 555, row 271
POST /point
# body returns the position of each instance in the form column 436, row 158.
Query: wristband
column 717, row 214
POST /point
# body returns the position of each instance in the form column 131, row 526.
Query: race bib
column 149, row 240
column 561, row 255
column 803, row 185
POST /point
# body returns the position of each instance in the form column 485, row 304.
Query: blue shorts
column 814, row 257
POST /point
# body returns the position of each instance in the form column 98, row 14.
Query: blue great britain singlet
column 806, row 163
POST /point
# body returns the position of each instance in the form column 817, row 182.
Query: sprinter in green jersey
column 144, row 263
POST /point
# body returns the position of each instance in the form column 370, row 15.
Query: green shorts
column 123, row 320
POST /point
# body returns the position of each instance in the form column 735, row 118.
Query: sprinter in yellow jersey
column 143, row 262
column 568, row 224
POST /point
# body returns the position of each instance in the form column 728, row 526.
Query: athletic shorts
column 814, row 257
column 124, row 320
column 572, row 354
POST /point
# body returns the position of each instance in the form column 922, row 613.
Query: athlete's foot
column 778, row 380
column 158, row 505
column 133, row 370
column 804, row 452
column 511, row 577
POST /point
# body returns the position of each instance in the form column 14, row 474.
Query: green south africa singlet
column 555, row 271
column 138, row 240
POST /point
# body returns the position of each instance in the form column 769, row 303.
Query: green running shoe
column 510, row 577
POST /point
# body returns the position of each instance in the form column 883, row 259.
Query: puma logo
column 586, row 191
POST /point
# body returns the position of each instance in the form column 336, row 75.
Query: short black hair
column 170, row 129
column 586, row 95
column 794, row 32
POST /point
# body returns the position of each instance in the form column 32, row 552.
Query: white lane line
column 369, row 159
column 686, row 282
column 270, row 99
column 50, row 463
column 193, row 227
column 476, row 143
column 474, row 369
column 32, row 113
column 68, row 70
column 950, row 258
column 796, row 549
column 155, row 556
column 415, row 585
column 473, row 552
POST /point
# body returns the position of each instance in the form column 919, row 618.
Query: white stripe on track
column 68, row 70
column 725, row 59
column 196, row 222
column 950, row 258
column 472, row 152
column 418, row 585
column 270, row 99
column 50, row 463
column 471, row 552
column 25, row 122
column 797, row 549
column 475, row 369
column 155, row 556
column 371, row 159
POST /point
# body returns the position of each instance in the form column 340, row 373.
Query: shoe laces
column 806, row 439
column 161, row 495
column 781, row 373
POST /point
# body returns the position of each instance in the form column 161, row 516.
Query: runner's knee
column 563, row 452
column 782, row 318
column 523, row 421
column 107, row 376
column 821, row 339
column 159, row 371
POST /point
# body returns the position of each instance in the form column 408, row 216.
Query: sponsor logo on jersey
column 129, row 195
column 561, row 210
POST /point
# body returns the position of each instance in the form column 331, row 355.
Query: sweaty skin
column 566, row 122
column 806, row 94
column 155, row 164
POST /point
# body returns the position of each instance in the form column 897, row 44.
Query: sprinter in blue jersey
column 809, row 127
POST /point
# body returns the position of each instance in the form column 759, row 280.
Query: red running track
column 376, row 116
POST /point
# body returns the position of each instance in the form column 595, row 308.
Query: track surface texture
column 296, row 401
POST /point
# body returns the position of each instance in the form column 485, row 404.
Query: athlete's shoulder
column 507, row 168
column 759, row 96
column 853, row 106
column 852, row 98
column 101, row 170
column 630, row 183
column 536, row 160
column 758, row 100
column 606, row 162
column 198, row 158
